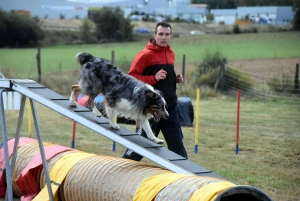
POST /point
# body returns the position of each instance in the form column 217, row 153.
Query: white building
column 267, row 14
column 226, row 16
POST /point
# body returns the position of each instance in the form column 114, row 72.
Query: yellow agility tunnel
column 80, row 176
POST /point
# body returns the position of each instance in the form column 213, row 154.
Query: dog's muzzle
column 157, row 115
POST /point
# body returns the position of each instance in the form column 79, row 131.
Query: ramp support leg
column 9, row 194
column 42, row 150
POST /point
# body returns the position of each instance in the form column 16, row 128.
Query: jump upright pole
column 74, row 127
column 197, row 120
column 238, row 122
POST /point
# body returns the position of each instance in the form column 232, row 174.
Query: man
column 155, row 66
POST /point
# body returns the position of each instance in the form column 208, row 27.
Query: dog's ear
column 83, row 57
column 150, row 93
column 159, row 92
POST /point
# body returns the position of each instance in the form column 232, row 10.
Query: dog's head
column 83, row 57
column 156, row 104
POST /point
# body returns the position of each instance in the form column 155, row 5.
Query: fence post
column 221, row 76
column 263, row 85
column 183, row 68
column 297, row 88
column 38, row 58
column 113, row 56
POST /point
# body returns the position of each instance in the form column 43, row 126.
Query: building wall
column 285, row 15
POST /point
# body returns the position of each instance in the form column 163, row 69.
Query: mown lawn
column 233, row 47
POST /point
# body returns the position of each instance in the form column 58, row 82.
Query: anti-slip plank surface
column 48, row 93
column 122, row 131
column 168, row 159
column 165, row 153
column 140, row 140
column 189, row 165
column 90, row 116
column 33, row 85
column 66, row 103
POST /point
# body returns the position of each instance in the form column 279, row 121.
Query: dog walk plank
column 31, row 85
column 66, row 103
column 91, row 116
column 61, row 104
column 122, row 131
column 47, row 93
column 140, row 140
column 193, row 167
column 166, row 153
column 210, row 174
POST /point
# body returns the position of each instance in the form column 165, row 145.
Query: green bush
column 236, row 29
column 283, row 84
column 208, row 79
column 86, row 34
column 61, row 38
column 209, row 68
column 210, row 62
column 236, row 79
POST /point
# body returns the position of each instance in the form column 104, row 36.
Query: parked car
column 135, row 17
column 195, row 32
column 142, row 30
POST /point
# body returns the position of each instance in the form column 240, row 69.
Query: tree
column 18, row 30
column 111, row 25
column 85, row 32
column 296, row 20
column 210, row 17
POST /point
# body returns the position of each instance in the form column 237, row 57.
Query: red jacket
column 148, row 62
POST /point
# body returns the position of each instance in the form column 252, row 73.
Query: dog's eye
column 158, row 106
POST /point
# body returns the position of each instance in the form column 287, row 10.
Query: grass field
column 269, row 156
column 233, row 47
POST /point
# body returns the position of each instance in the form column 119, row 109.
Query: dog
column 123, row 94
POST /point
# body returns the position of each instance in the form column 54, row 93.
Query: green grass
column 234, row 47
column 269, row 154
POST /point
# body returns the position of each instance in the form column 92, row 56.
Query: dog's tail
column 83, row 57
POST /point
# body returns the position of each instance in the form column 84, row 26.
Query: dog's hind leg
column 93, row 106
column 75, row 89
column 146, row 126
column 111, row 116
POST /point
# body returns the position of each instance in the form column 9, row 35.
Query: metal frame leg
column 42, row 150
column 17, row 137
column 9, row 192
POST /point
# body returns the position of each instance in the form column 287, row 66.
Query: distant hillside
column 178, row 28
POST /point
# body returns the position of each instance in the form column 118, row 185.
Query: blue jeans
column 171, row 130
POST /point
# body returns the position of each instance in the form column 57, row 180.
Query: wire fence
column 283, row 87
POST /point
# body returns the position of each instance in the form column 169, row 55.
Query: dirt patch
column 267, row 67
column 261, row 67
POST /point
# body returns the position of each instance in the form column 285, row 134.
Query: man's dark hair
column 163, row 24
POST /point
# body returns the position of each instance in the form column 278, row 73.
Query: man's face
column 162, row 36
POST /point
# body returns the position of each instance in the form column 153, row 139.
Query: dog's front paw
column 73, row 104
column 115, row 126
column 158, row 141
column 96, row 112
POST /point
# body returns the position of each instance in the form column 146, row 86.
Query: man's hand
column 179, row 78
column 160, row 75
